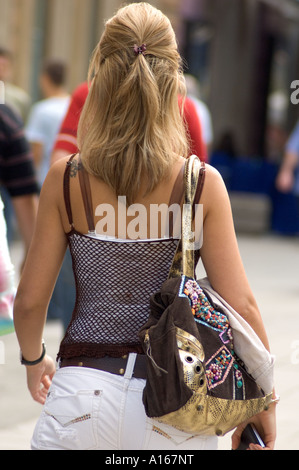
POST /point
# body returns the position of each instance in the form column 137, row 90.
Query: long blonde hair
column 132, row 124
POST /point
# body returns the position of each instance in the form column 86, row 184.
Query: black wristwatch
column 37, row 361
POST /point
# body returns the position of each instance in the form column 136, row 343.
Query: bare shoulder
column 212, row 173
column 53, row 184
column 214, row 186
column 60, row 165
column 58, row 168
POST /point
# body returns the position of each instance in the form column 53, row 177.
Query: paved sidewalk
column 272, row 265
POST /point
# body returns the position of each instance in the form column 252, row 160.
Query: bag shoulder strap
column 194, row 173
column 194, row 177
column 177, row 194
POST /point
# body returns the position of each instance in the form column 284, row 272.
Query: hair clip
column 139, row 49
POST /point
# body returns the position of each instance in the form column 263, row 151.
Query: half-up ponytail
column 131, row 124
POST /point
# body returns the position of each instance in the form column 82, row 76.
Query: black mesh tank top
column 114, row 281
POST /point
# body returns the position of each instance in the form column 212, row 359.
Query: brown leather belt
column 114, row 365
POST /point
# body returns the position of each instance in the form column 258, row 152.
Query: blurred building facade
column 245, row 54
column 34, row 30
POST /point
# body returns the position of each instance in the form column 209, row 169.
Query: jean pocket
column 69, row 421
column 163, row 436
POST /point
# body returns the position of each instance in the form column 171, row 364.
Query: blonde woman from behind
column 133, row 146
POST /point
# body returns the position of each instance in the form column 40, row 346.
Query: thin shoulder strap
column 176, row 196
column 178, row 187
column 66, row 190
column 86, row 196
column 199, row 188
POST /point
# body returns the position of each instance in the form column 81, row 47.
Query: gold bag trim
column 203, row 413
column 209, row 416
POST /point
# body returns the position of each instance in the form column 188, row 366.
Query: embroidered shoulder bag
column 196, row 380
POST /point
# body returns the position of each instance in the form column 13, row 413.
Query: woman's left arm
column 38, row 279
column 224, row 267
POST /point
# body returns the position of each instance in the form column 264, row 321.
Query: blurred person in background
column 42, row 128
column 20, row 102
column 17, row 176
column 17, row 172
column 193, row 92
column 7, row 285
column 15, row 96
column 288, row 177
column 46, row 116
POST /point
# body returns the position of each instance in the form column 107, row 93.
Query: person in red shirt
column 66, row 142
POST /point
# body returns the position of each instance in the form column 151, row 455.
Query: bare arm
column 58, row 155
column 37, row 282
column 37, row 151
column 286, row 176
column 221, row 256
column 224, row 267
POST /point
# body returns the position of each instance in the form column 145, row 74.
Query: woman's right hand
column 39, row 379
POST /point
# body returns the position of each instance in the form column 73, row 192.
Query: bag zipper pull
column 149, row 354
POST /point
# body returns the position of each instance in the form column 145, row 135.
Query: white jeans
column 96, row 410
